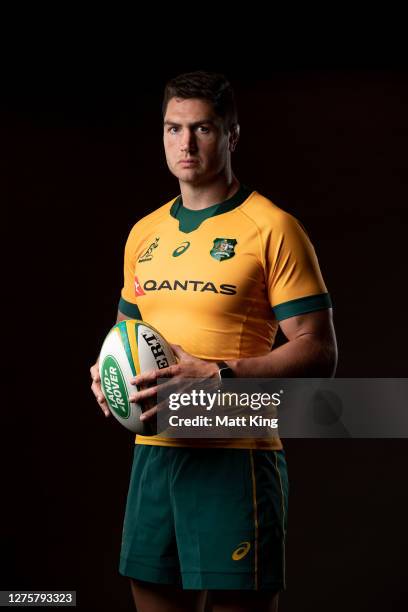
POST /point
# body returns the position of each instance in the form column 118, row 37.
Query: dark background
column 83, row 161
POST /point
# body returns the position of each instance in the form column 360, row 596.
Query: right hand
column 97, row 390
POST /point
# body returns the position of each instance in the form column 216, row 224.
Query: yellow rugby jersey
column 218, row 281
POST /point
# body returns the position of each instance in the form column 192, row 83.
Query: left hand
column 187, row 367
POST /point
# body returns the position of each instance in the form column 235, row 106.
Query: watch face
column 226, row 372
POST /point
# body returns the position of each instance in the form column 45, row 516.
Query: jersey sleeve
column 128, row 298
column 295, row 282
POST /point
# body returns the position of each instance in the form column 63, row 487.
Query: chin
column 188, row 176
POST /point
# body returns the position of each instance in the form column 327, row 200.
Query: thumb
column 178, row 351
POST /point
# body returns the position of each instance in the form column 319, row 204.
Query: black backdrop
column 82, row 165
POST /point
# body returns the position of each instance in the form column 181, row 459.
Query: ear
column 234, row 136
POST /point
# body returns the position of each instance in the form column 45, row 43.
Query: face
column 196, row 145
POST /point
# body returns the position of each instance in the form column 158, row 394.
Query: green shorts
column 206, row 518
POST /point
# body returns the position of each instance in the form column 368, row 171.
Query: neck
column 198, row 197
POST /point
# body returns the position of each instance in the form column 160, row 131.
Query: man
column 215, row 270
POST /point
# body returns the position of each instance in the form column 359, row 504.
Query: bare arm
column 311, row 350
column 122, row 317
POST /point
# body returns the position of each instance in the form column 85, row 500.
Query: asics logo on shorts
column 240, row 552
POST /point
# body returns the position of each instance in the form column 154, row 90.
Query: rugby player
column 216, row 270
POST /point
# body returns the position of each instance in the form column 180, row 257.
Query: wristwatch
column 224, row 370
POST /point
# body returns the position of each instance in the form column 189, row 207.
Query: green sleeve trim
column 303, row 305
column 129, row 309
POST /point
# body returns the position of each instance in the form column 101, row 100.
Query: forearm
column 305, row 356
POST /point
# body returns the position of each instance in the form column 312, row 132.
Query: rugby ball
column 130, row 348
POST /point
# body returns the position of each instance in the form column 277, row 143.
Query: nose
column 188, row 143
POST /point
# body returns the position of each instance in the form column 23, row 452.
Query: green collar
column 190, row 220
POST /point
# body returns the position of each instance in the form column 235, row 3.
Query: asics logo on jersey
column 187, row 285
column 148, row 254
column 241, row 552
column 181, row 249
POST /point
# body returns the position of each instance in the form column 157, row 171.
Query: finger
column 100, row 398
column 143, row 378
column 96, row 389
column 162, row 405
column 145, row 416
column 149, row 392
column 148, row 414
column 95, row 374
column 104, row 406
column 168, row 386
column 142, row 395
column 178, row 351
column 152, row 375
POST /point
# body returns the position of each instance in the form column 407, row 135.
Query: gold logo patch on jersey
column 148, row 254
column 223, row 248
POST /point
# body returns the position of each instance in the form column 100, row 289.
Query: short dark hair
column 210, row 86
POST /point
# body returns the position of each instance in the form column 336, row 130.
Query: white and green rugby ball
column 130, row 348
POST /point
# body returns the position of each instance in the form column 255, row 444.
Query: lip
column 188, row 162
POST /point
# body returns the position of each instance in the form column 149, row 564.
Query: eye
column 171, row 128
column 204, row 129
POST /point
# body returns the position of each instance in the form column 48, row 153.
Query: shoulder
column 269, row 217
column 152, row 219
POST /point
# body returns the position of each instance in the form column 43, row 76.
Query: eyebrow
column 195, row 124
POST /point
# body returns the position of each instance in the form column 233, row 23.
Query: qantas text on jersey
column 184, row 285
